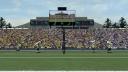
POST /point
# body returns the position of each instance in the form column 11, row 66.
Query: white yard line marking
column 64, row 57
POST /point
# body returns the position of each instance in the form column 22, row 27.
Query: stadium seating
column 52, row 38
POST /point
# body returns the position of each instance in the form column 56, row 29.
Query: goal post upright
column 62, row 18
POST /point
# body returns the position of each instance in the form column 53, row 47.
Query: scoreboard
column 62, row 8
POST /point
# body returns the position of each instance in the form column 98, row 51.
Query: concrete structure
column 65, row 18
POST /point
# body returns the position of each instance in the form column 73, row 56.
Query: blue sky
column 21, row 11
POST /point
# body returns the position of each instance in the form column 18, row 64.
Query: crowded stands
column 75, row 38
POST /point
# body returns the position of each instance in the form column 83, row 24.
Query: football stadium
column 63, row 42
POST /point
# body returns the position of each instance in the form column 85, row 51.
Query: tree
column 2, row 22
column 115, row 25
column 9, row 25
column 122, row 22
column 108, row 23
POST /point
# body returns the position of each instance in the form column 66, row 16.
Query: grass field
column 55, row 60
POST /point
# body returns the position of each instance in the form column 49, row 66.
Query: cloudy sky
column 21, row 11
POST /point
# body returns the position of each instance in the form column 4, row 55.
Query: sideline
column 64, row 57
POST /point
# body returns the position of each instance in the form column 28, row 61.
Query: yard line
column 63, row 57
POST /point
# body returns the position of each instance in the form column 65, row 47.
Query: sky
column 21, row 11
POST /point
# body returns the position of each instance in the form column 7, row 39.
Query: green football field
column 56, row 61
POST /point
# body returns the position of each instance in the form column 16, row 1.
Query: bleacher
column 53, row 38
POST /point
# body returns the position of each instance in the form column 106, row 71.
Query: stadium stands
column 52, row 38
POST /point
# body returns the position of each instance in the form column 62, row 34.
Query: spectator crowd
column 53, row 38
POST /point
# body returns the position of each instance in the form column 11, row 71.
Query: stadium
column 63, row 42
